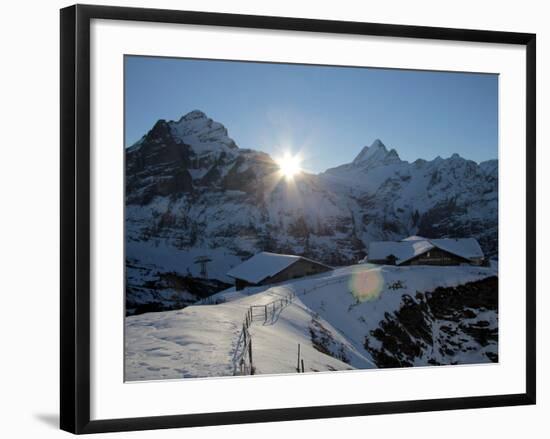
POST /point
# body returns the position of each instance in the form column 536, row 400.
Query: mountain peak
column 203, row 134
column 378, row 144
column 193, row 115
column 375, row 154
column 368, row 151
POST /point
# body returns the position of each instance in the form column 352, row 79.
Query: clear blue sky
column 328, row 112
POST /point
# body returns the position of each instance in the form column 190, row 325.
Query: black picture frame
column 75, row 217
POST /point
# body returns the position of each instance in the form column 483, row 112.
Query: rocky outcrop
column 455, row 325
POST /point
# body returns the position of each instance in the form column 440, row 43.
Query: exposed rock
column 445, row 326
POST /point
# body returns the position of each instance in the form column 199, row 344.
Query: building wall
column 378, row 261
column 241, row 284
column 299, row 269
column 437, row 257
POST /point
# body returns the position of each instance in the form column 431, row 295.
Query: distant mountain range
column 191, row 191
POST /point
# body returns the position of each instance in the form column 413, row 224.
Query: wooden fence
column 210, row 300
column 243, row 363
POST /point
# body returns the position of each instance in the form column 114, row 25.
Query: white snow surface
column 344, row 304
column 202, row 133
column 161, row 256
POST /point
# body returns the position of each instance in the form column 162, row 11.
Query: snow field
column 337, row 309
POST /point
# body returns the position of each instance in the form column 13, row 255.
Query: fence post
column 265, row 307
column 298, row 364
column 250, row 356
column 302, row 365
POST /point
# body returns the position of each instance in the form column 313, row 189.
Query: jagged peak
column 192, row 115
column 201, row 132
column 376, row 153
column 393, row 153
column 378, row 144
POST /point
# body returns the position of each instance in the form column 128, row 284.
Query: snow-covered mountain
column 451, row 197
column 191, row 191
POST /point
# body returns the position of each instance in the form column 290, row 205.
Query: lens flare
column 289, row 165
column 366, row 284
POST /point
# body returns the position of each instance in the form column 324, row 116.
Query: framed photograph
column 268, row 218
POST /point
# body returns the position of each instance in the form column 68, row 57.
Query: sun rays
column 286, row 176
column 289, row 165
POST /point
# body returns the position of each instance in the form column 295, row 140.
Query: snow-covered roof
column 414, row 238
column 467, row 248
column 263, row 265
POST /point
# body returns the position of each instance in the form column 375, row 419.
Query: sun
column 289, row 165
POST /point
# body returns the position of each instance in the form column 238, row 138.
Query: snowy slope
column 201, row 341
column 334, row 317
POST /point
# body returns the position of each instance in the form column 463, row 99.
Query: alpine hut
column 269, row 268
column 416, row 250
